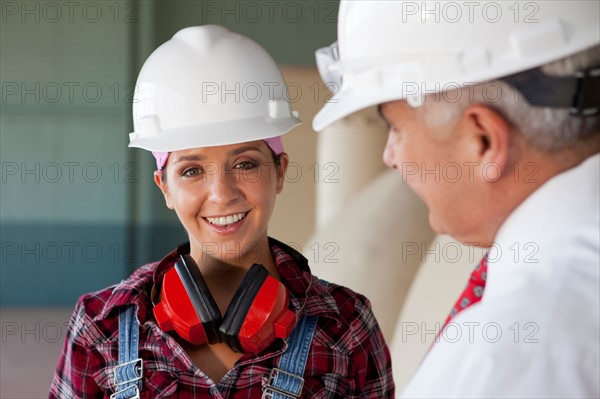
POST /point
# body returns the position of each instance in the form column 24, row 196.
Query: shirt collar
column 138, row 289
column 307, row 294
column 565, row 200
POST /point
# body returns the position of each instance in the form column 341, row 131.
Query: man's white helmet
column 205, row 87
column 391, row 50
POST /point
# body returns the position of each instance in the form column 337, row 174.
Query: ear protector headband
column 257, row 315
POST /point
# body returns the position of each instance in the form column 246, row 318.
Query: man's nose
column 388, row 152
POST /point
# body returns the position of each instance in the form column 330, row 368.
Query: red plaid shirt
column 348, row 357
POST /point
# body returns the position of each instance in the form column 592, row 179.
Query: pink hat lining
column 275, row 143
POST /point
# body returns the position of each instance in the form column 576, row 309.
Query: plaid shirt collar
column 291, row 265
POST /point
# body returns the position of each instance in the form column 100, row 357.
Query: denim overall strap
column 128, row 373
column 286, row 380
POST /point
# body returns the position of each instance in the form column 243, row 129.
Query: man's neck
column 529, row 172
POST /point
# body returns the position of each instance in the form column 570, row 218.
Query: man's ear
column 283, row 165
column 158, row 174
column 489, row 139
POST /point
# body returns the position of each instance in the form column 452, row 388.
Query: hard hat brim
column 346, row 102
column 223, row 133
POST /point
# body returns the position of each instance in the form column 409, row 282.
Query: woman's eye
column 191, row 172
column 245, row 165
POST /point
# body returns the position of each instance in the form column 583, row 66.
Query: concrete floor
column 30, row 345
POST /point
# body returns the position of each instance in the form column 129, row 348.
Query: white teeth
column 225, row 220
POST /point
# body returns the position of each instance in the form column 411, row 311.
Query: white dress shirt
column 536, row 331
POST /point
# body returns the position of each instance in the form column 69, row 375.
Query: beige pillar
column 374, row 245
column 349, row 155
column 371, row 228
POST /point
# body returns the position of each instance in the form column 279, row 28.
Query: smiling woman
column 233, row 312
column 225, row 195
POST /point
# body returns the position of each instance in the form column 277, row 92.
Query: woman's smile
column 226, row 224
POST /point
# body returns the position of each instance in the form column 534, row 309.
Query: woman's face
column 224, row 197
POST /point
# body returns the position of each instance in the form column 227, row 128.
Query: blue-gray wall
column 78, row 209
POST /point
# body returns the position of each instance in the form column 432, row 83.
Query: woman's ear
column 283, row 165
column 158, row 179
column 489, row 139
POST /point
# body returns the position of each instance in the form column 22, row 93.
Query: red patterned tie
column 473, row 291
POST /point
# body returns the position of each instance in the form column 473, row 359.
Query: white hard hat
column 391, row 50
column 206, row 87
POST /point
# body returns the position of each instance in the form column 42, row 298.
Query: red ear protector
column 257, row 315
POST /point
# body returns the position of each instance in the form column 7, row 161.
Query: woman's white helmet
column 208, row 86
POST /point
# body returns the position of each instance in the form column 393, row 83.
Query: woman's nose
column 223, row 188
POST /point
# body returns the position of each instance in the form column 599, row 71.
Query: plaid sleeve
column 73, row 375
column 372, row 358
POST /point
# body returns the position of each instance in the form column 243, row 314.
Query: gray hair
column 543, row 128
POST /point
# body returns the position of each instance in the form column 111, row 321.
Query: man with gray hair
column 494, row 115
